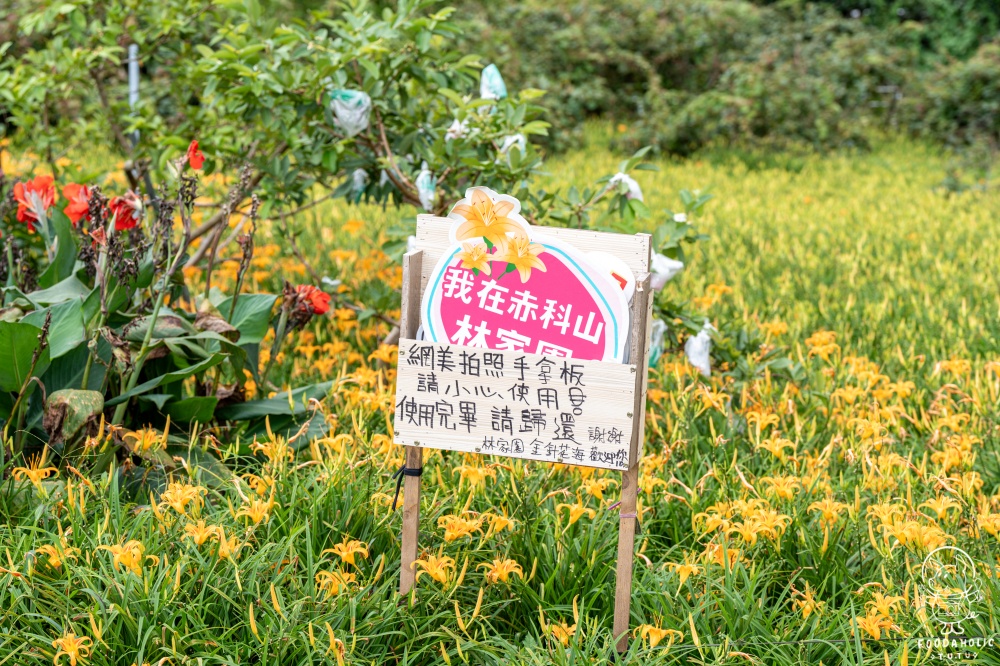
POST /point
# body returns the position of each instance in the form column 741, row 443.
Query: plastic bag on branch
column 491, row 85
column 634, row 191
column 351, row 109
column 425, row 188
column 509, row 142
column 699, row 347
column 457, row 130
column 659, row 331
column 664, row 270
column 359, row 180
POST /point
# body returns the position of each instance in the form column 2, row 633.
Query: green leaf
column 65, row 260
column 167, row 326
column 251, row 317
column 62, row 291
column 67, row 331
column 199, row 408
column 6, row 405
column 168, row 378
column 66, row 372
column 69, row 410
column 158, row 399
column 278, row 405
column 18, row 342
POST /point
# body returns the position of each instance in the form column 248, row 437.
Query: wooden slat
column 432, row 238
column 642, row 306
column 409, row 322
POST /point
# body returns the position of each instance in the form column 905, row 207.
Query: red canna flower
column 315, row 300
column 304, row 302
column 99, row 237
column 195, row 158
column 79, row 202
column 34, row 198
column 127, row 211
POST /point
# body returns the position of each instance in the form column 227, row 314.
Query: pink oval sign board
column 504, row 285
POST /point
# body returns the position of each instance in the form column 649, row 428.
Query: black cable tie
column 399, row 474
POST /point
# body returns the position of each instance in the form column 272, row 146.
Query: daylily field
column 785, row 508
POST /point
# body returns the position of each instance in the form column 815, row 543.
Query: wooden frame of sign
column 620, row 391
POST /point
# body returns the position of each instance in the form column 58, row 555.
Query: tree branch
column 102, row 94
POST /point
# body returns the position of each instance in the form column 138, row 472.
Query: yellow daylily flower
column 257, row 510
column 129, row 555
column 501, row 569
column 58, row 554
column 475, row 475
column 596, row 487
column 72, row 646
column 576, row 511
column 178, row 496
column 829, row 510
column 437, row 567
column 456, row 527
column 655, row 635
column 228, row 548
column 807, row 603
column 333, row 582
column 200, row 533
column 146, row 440
column 684, row 570
column 36, row 472
column 347, row 549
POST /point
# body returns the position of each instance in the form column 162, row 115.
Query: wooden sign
column 526, row 342
column 509, row 403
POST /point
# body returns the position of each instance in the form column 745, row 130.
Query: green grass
column 862, row 245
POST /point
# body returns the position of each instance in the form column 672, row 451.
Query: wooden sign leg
column 408, row 324
column 626, row 554
column 642, row 304
column 411, row 519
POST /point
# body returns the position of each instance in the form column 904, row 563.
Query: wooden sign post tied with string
column 616, row 396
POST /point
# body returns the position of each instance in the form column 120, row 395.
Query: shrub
column 959, row 103
column 606, row 57
column 805, row 77
column 254, row 89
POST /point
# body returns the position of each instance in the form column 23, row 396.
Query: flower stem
column 134, row 376
column 10, row 264
column 279, row 336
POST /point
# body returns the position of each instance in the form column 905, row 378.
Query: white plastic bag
column 457, row 130
column 351, row 109
column 698, row 349
column 659, row 331
column 491, row 85
column 664, row 269
column 510, row 141
column 425, row 188
column 634, row 191
column 359, row 179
